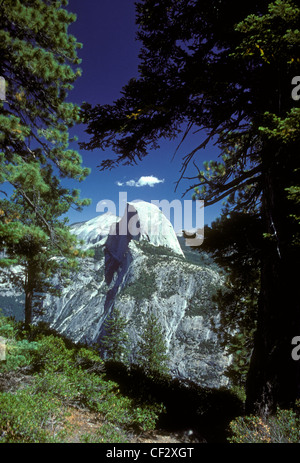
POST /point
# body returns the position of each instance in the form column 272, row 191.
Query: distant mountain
column 141, row 221
column 141, row 267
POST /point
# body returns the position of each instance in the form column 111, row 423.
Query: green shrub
column 146, row 416
column 29, row 417
column 52, row 354
column 284, row 427
column 7, row 327
column 74, row 386
column 88, row 359
column 113, row 406
column 88, row 355
column 121, row 410
column 18, row 354
column 107, row 433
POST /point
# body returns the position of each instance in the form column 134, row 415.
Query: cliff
column 140, row 267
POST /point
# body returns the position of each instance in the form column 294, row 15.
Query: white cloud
column 131, row 183
column 149, row 180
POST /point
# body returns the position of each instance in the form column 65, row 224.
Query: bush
column 19, row 353
column 88, row 359
column 52, row 354
column 7, row 327
column 284, row 427
column 62, row 375
column 73, row 386
column 29, row 417
column 108, row 433
column 147, row 415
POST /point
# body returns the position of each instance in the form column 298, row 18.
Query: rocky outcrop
column 144, row 271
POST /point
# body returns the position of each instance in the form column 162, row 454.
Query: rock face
column 141, row 272
column 142, row 221
column 95, row 230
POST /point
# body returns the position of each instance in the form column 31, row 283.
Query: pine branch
column 188, row 157
column 35, row 209
column 227, row 189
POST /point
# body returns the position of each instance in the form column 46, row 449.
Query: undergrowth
column 63, row 376
column 281, row 428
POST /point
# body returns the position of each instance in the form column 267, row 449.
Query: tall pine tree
column 115, row 342
column 39, row 62
column 152, row 350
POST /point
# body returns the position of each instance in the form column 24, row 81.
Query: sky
column 107, row 30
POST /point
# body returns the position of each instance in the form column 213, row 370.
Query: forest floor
column 80, row 422
column 84, row 422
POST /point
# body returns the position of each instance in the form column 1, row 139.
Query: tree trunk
column 29, row 290
column 274, row 377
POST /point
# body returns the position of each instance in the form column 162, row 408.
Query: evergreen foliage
column 115, row 343
column 282, row 428
column 152, row 350
column 234, row 242
column 38, row 59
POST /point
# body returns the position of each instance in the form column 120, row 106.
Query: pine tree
column 234, row 243
column 115, row 342
column 38, row 252
column 152, row 350
column 38, row 60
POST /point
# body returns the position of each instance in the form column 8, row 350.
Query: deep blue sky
column 109, row 56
